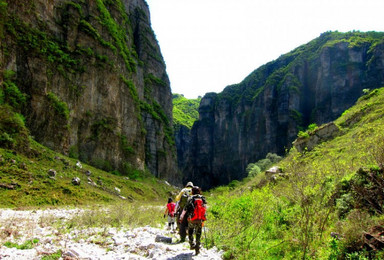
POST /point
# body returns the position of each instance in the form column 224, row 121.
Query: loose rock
column 76, row 181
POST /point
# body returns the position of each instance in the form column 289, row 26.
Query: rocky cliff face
column 95, row 81
column 315, row 83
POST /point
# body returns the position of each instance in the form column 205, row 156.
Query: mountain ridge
column 314, row 83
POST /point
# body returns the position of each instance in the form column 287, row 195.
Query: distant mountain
column 315, row 83
column 185, row 111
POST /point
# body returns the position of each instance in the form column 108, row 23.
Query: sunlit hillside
column 326, row 203
column 185, row 111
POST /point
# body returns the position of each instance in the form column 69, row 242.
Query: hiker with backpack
column 181, row 202
column 195, row 213
column 170, row 211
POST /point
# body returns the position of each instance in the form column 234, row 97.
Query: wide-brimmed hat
column 189, row 184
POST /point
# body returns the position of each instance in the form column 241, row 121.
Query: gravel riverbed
column 32, row 230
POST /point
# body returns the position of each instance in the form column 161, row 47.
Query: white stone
column 78, row 164
column 118, row 240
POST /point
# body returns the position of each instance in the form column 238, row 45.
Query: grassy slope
column 37, row 189
column 294, row 216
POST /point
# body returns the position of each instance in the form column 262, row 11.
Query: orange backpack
column 199, row 210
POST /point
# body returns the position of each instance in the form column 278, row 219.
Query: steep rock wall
column 315, row 83
column 95, row 80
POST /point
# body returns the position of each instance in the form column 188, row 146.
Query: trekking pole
column 205, row 235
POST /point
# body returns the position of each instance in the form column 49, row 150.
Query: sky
column 210, row 44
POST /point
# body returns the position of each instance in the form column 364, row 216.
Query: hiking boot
column 197, row 251
column 193, row 246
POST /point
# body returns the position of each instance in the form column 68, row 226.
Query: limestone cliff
column 95, row 81
column 314, row 83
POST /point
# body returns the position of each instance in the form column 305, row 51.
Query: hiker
column 170, row 211
column 181, row 201
column 194, row 212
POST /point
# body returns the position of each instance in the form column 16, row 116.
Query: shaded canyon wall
column 95, row 81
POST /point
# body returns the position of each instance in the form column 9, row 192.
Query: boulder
column 76, row 181
column 273, row 170
column 78, row 164
column 11, row 186
column 163, row 239
column 52, row 173
column 319, row 135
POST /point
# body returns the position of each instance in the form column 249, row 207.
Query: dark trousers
column 195, row 227
column 183, row 226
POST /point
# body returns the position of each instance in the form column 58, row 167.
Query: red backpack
column 199, row 210
column 171, row 209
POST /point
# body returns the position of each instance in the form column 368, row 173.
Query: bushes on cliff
column 10, row 93
column 13, row 133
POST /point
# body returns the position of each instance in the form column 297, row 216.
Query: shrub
column 261, row 165
column 59, row 106
column 74, row 152
column 10, row 94
column 14, row 134
column 29, row 244
column 352, row 229
column 253, row 170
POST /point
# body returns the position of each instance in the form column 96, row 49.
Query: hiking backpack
column 199, row 210
column 184, row 198
column 171, row 209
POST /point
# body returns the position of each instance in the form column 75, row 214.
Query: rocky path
column 29, row 235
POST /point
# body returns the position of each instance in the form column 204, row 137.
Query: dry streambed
column 39, row 234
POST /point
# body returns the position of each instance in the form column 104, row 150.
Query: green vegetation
column 254, row 169
column 335, row 188
column 33, row 40
column 305, row 134
column 26, row 181
column 150, row 106
column 67, row 59
column 106, row 41
column 29, row 244
column 185, row 111
column 118, row 32
column 119, row 215
column 128, row 150
column 10, row 93
column 150, row 79
column 24, row 164
column 59, row 106
column 13, row 133
column 88, row 28
column 54, row 256
column 355, row 39
column 279, row 75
